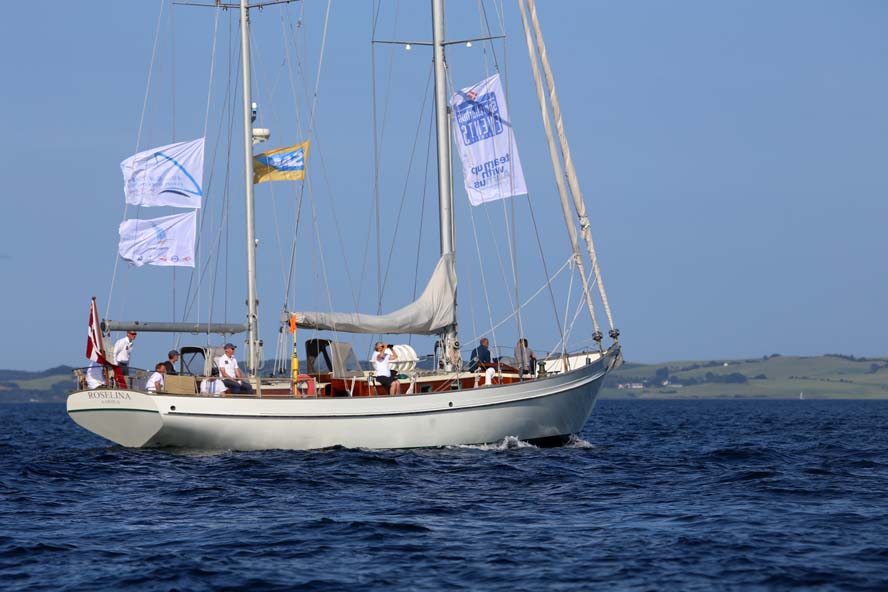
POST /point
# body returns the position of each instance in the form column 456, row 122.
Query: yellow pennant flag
column 283, row 164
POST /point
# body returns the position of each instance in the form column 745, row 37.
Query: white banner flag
column 168, row 240
column 483, row 131
column 170, row 175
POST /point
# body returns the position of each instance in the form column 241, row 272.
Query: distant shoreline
column 831, row 376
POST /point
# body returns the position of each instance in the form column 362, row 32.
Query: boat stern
column 125, row 417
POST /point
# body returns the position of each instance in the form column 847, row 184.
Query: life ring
column 306, row 382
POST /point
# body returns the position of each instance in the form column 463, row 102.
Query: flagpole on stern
column 95, row 340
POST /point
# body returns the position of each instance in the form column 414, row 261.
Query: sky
column 732, row 156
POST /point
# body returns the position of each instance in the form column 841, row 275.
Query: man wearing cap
column 231, row 372
column 170, row 364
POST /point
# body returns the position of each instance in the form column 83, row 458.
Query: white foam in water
column 577, row 442
column 506, row 443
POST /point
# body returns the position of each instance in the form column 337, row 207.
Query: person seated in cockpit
column 480, row 355
column 382, row 359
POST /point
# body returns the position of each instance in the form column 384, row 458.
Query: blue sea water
column 655, row 495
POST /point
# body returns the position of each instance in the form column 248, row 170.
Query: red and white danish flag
column 94, row 350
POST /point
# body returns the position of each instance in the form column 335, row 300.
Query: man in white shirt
column 382, row 359
column 155, row 381
column 231, row 372
column 95, row 376
column 122, row 349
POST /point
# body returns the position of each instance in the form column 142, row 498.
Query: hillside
column 18, row 386
column 831, row 376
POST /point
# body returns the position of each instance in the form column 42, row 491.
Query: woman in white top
column 382, row 364
column 95, row 375
column 212, row 385
column 155, row 381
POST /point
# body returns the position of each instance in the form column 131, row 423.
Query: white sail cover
column 434, row 310
column 483, row 131
column 167, row 241
column 169, row 175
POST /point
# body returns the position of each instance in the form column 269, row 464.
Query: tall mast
column 445, row 193
column 450, row 339
column 252, row 298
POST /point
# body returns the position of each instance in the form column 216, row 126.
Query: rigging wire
column 173, row 134
column 567, row 311
column 493, row 237
column 288, row 34
column 256, row 51
column 425, row 187
column 511, row 232
column 573, row 181
column 577, row 311
column 313, row 135
column 536, row 230
column 378, row 141
column 480, row 259
column 226, row 112
column 533, row 296
column 377, row 8
column 138, row 140
column 556, row 165
column 196, row 289
column 485, row 29
column 510, row 210
column 197, row 272
column 234, row 49
column 401, row 206
column 317, row 157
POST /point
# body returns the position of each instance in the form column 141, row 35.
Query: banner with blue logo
column 167, row 241
column 283, row 164
column 170, row 175
column 483, row 131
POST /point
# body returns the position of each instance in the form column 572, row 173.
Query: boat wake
column 513, row 442
column 507, row 443
column 577, row 442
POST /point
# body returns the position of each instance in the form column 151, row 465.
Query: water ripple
column 690, row 495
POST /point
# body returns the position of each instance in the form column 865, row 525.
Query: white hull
column 557, row 406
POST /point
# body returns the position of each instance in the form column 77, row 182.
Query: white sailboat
column 345, row 406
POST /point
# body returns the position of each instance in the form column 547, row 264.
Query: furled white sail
column 434, row 310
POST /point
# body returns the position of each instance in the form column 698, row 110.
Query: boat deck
column 324, row 385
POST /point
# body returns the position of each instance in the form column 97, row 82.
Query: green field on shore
column 821, row 377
